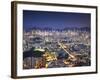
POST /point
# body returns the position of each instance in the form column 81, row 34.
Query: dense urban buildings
column 56, row 48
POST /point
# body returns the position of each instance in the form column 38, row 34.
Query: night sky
column 55, row 20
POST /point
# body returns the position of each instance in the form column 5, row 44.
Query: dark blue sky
column 55, row 20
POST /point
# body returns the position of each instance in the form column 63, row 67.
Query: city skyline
column 56, row 39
